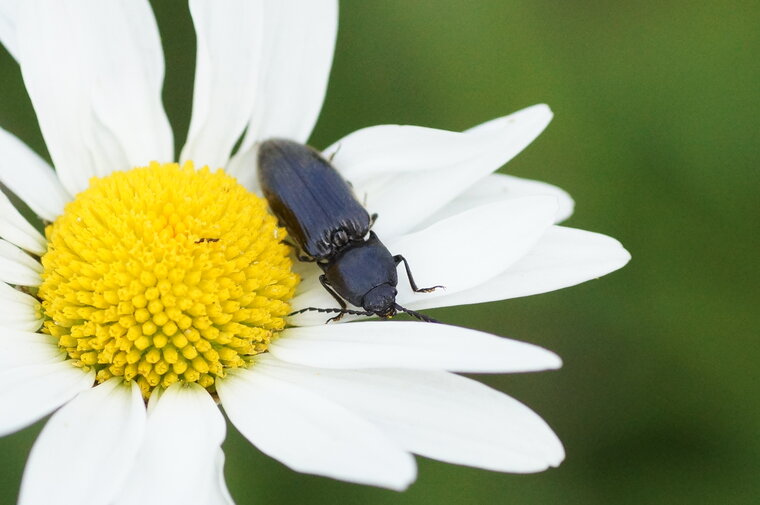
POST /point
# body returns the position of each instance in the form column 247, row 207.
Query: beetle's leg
column 398, row 259
column 304, row 258
column 298, row 252
column 326, row 284
column 372, row 219
column 332, row 155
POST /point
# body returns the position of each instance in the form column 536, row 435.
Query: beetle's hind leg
column 398, row 259
column 304, row 258
column 299, row 254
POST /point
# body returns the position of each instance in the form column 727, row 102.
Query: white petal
column 86, row 450
column 17, row 267
column 311, row 434
column 408, row 173
column 218, row 492
column 12, row 295
column 29, row 393
column 228, row 58
column 23, row 348
column 385, row 149
column 408, row 344
column 497, row 187
column 563, row 257
column 381, row 150
column 95, row 82
column 297, row 49
column 243, row 167
column 440, row 415
column 30, row 178
column 464, row 250
column 17, row 230
column 128, row 64
column 179, row 453
column 19, row 317
column 459, row 253
column 18, row 311
column 8, row 13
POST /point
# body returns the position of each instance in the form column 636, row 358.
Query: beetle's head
column 381, row 300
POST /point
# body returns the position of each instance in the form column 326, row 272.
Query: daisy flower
column 160, row 289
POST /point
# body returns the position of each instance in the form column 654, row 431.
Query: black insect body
column 330, row 227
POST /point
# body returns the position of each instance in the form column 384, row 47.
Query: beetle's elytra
column 330, row 227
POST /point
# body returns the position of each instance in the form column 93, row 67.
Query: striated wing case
column 309, row 197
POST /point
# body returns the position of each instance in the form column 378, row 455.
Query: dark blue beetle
column 330, row 227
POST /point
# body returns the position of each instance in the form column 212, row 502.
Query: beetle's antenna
column 415, row 314
column 421, row 317
column 333, row 311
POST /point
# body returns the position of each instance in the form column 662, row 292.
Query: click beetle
column 330, row 227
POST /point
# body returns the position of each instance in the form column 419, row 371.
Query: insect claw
column 428, row 290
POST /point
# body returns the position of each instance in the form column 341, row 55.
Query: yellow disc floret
column 164, row 274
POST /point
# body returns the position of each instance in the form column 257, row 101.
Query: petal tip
column 619, row 256
column 404, row 479
column 554, row 362
column 540, row 111
column 625, row 256
column 557, row 456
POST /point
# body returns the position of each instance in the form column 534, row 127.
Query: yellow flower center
column 163, row 274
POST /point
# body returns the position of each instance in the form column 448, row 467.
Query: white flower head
column 158, row 292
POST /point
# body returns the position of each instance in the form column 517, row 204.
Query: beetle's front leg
column 398, row 259
column 326, row 284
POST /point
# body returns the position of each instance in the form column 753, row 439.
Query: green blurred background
column 656, row 136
